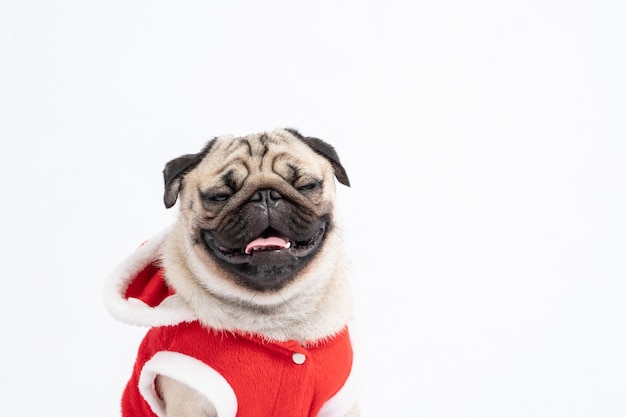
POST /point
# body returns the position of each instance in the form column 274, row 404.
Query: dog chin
column 269, row 262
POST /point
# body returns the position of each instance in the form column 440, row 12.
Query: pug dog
column 247, row 295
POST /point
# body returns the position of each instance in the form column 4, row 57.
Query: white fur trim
column 191, row 372
column 133, row 311
column 346, row 398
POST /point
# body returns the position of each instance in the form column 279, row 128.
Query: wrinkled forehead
column 266, row 154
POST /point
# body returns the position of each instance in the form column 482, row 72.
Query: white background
column 485, row 142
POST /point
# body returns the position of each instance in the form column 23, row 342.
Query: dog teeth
column 288, row 245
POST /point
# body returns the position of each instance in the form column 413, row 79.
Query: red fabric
column 149, row 286
column 263, row 375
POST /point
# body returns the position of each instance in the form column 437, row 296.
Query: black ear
column 176, row 169
column 327, row 151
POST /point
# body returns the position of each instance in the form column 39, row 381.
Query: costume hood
column 136, row 292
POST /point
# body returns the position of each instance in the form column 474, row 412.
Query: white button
column 298, row 358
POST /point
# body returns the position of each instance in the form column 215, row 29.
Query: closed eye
column 219, row 197
column 310, row 186
column 215, row 198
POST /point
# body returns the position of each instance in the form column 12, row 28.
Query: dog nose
column 267, row 197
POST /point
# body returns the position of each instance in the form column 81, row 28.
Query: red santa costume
column 244, row 375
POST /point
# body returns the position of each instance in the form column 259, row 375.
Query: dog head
column 257, row 210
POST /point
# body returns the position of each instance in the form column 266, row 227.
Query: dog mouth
column 270, row 246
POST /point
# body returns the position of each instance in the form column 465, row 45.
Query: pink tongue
column 267, row 243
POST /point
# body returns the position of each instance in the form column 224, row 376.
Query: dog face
column 257, row 209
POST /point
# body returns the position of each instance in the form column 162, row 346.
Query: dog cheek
column 321, row 205
column 196, row 218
